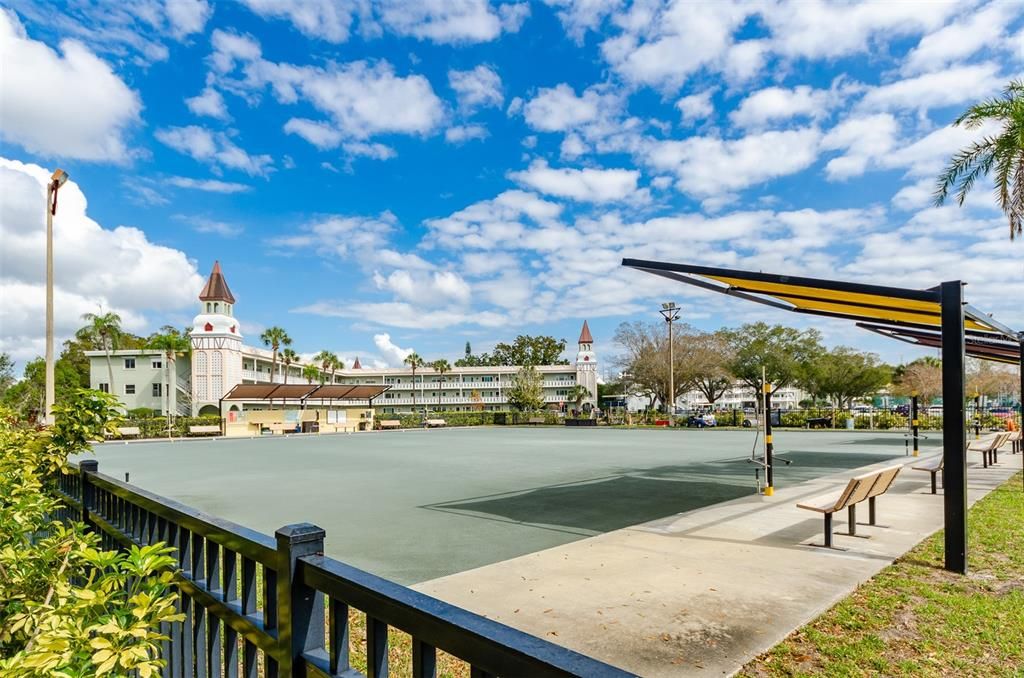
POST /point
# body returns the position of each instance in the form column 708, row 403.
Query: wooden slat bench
column 204, row 430
column 932, row 465
column 434, row 423
column 988, row 446
column 1014, row 439
column 860, row 488
column 129, row 432
column 390, row 423
column 535, row 420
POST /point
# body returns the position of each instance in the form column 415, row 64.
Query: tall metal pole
column 50, row 392
column 954, row 427
column 915, row 423
column 670, row 312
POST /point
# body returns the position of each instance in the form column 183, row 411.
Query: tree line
column 711, row 362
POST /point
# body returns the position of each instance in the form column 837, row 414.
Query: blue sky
column 377, row 176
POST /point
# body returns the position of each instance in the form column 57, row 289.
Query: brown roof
column 305, row 391
column 585, row 337
column 216, row 288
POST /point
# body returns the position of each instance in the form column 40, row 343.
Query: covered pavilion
column 936, row 317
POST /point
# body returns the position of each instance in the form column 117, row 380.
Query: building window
column 486, row 378
column 105, row 387
column 158, row 390
column 158, row 363
column 129, row 389
column 129, row 363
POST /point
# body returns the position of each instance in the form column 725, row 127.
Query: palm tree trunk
column 286, row 374
column 273, row 366
column 110, row 365
column 414, row 389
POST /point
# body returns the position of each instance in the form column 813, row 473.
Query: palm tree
column 414, row 361
column 288, row 356
column 442, row 367
column 578, row 394
column 1002, row 151
column 326, row 360
column 311, row 372
column 103, row 329
column 173, row 344
column 275, row 337
column 336, row 364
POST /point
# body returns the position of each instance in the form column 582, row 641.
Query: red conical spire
column 216, row 288
column 585, row 337
column 356, row 365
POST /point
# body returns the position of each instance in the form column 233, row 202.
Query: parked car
column 750, row 421
column 701, row 420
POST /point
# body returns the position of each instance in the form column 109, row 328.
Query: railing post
column 300, row 609
column 85, row 467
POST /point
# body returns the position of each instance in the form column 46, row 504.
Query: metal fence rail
column 261, row 606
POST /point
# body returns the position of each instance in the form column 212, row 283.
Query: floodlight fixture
column 59, row 178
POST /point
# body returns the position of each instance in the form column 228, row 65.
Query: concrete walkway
column 703, row 592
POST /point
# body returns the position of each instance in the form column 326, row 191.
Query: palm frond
column 963, row 163
column 979, row 114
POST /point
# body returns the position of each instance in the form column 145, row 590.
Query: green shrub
column 479, row 418
column 68, row 608
column 793, row 419
column 156, row 427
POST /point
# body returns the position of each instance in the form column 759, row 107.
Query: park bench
column 932, row 465
column 535, row 420
column 1015, row 439
column 390, row 423
column 129, row 432
column 204, row 430
column 988, row 446
column 278, row 427
column 434, row 423
column 819, row 422
column 866, row 486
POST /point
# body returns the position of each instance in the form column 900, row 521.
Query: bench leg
column 872, row 516
column 934, row 488
column 828, row 530
column 851, row 512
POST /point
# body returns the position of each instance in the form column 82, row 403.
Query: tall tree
column 712, row 356
column 645, row 365
column 530, row 350
column 526, row 393
column 922, row 377
column 442, row 367
column 327, row 361
column 311, row 373
column 288, row 358
column 843, row 374
column 783, row 352
column 578, row 394
column 6, row 373
column 102, row 330
column 414, row 361
column 336, row 364
column 173, row 344
column 991, row 380
column 275, row 337
column 1002, row 152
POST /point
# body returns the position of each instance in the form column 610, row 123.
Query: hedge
column 156, row 427
column 481, row 418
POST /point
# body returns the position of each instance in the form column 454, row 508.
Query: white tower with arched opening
column 586, row 364
column 216, row 345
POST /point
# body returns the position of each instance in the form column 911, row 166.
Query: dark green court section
column 415, row 505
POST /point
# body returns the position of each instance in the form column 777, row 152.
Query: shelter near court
column 937, row 317
column 308, row 408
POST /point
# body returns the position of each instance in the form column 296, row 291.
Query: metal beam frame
column 954, row 427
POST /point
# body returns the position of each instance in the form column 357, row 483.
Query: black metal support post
column 954, row 428
column 977, row 416
column 300, row 609
column 915, row 423
column 85, row 467
column 769, row 446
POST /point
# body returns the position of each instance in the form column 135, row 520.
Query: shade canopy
column 989, row 346
column 303, row 392
column 889, row 306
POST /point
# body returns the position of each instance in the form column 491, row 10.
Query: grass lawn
column 915, row 619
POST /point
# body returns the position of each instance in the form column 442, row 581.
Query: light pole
column 670, row 312
column 56, row 181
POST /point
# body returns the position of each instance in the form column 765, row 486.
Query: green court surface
column 415, row 505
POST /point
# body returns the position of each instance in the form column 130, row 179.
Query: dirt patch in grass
column 916, row 619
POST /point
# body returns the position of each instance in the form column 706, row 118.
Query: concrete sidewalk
column 703, row 592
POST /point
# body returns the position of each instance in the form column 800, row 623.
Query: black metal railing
column 260, row 606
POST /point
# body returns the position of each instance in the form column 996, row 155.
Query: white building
column 220, row 360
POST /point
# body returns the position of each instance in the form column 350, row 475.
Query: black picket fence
column 260, row 606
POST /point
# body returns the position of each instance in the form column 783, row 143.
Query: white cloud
column 327, row 19
column 40, row 88
column 91, row 264
column 696, row 106
column 864, row 139
column 210, row 103
column 213, row 147
column 955, row 85
column 711, row 166
column 585, row 185
column 342, row 236
column 558, row 109
column 462, row 133
column 438, row 288
column 208, row 185
column 187, row 16
column 477, row 88
column 978, row 28
column 449, row 21
column 374, row 150
column 392, row 353
column 774, row 104
column 320, row 134
column 209, row 226
column 580, row 16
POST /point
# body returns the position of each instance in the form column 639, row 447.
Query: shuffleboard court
column 416, row 505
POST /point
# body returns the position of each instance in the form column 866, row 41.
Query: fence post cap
column 300, row 533
column 89, row 465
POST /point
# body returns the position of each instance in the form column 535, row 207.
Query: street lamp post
column 670, row 312
column 56, row 181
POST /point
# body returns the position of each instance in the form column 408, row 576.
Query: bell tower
column 586, row 364
column 216, row 343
